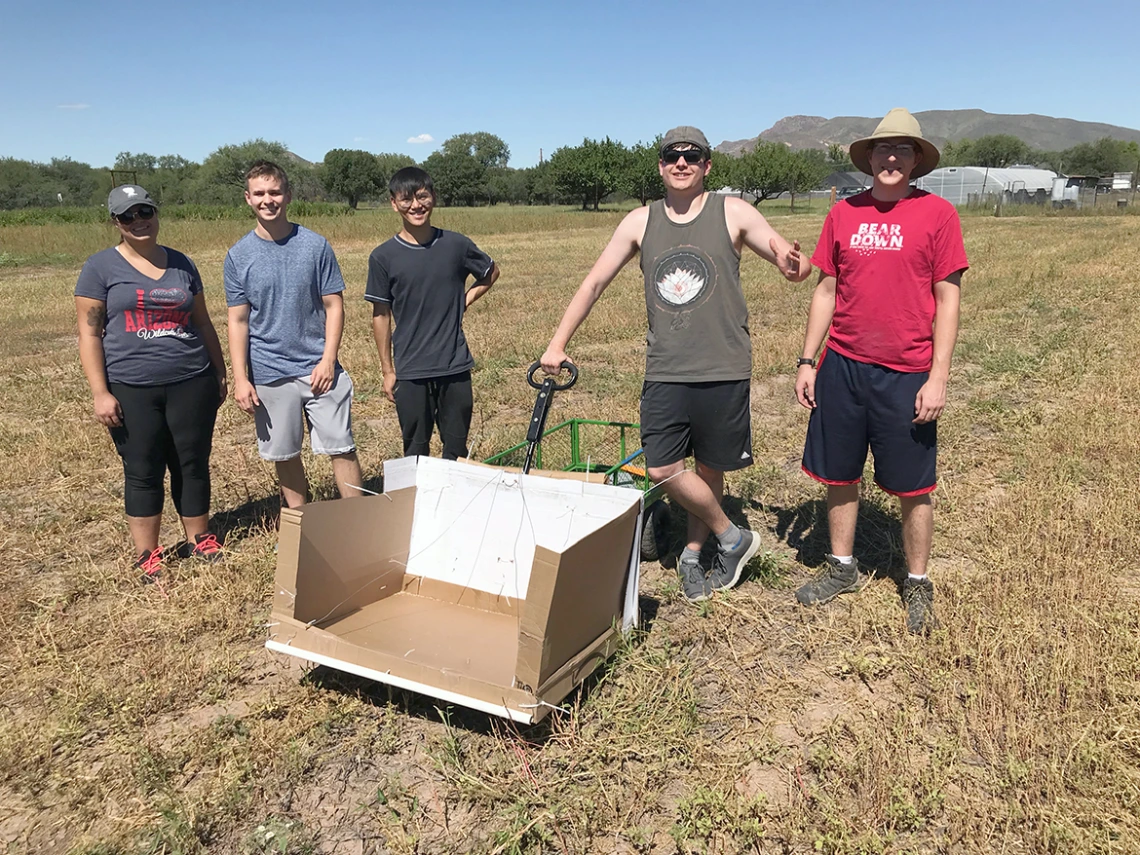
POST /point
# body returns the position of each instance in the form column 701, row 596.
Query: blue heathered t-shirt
column 283, row 283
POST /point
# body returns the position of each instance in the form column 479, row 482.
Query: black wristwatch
column 803, row 360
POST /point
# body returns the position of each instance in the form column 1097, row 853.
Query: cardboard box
column 472, row 584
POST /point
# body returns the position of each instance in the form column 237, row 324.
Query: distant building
column 961, row 185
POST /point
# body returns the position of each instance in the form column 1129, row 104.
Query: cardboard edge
column 588, row 477
column 403, row 683
column 571, row 675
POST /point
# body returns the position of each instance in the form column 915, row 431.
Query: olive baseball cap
column 684, row 134
column 126, row 196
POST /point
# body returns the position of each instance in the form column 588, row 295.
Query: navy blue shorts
column 710, row 421
column 860, row 405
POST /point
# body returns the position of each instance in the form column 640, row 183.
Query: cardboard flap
column 478, row 527
column 351, row 552
column 574, row 598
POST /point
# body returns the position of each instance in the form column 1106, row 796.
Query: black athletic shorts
column 860, row 405
column 710, row 421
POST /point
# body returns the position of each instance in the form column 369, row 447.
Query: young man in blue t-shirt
column 286, row 316
column 419, row 278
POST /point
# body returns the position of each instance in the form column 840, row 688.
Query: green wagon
column 612, row 449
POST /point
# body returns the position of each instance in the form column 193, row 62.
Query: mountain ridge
column 1046, row 133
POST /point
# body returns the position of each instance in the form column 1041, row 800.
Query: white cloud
column 360, row 139
column 422, row 138
column 72, row 106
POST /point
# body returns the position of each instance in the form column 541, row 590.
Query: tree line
column 473, row 169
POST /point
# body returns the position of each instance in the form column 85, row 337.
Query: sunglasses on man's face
column 692, row 156
column 144, row 212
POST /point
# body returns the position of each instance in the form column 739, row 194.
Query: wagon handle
column 567, row 364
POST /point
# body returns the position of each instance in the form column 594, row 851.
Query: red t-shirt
column 886, row 257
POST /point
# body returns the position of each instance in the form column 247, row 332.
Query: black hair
column 409, row 181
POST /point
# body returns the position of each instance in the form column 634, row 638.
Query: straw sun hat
column 897, row 123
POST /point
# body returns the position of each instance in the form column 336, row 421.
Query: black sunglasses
column 144, row 212
column 692, row 156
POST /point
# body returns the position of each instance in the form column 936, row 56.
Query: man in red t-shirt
column 891, row 261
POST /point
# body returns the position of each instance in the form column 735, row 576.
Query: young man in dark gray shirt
column 419, row 279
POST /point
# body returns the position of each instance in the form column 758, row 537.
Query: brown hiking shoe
column 918, row 600
column 837, row 578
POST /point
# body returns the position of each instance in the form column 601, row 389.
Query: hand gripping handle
column 567, row 364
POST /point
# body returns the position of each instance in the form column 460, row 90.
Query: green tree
column 591, row 171
column 959, row 153
column 221, row 180
column 723, row 172
column 486, row 148
column 22, row 185
column 764, row 171
column 997, row 151
column 351, row 175
column 839, row 159
column 389, row 165
column 805, row 170
column 141, row 163
column 642, row 180
column 540, row 187
column 1100, row 158
column 459, row 178
column 77, row 182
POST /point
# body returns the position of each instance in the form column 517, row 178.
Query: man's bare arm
column 482, row 286
column 622, row 247
column 931, row 398
column 820, row 312
column 747, row 226
column 382, row 335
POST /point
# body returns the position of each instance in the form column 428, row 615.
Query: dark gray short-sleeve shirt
column 426, row 287
column 149, row 338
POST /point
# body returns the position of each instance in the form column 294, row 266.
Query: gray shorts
column 286, row 405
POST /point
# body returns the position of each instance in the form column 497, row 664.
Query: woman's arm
column 92, row 317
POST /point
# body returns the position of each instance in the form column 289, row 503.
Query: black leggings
column 422, row 404
column 166, row 427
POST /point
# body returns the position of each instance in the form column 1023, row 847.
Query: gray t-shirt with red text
column 148, row 336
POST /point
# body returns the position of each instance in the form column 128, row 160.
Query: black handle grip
column 566, row 363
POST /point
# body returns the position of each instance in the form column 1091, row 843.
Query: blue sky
column 89, row 80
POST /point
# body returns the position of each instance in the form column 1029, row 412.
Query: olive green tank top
column 698, row 320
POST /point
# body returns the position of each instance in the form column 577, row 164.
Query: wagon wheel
column 655, row 532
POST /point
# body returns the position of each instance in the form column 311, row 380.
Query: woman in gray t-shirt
column 156, row 372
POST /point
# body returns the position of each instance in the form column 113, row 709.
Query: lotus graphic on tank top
column 681, row 277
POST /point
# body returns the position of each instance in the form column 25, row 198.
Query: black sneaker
column 205, row 546
column 837, row 578
column 918, row 599
column 728, row 565
column 694, row 582
column 150, row 563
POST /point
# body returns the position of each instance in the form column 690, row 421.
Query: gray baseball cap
column 684, row 134
column 126, row 196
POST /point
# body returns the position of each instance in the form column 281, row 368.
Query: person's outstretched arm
column 622, row 247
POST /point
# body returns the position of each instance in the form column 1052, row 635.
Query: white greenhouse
column 961, row 185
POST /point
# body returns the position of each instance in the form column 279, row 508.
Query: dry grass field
column 152, row 720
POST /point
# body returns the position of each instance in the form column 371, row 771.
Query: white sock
column 912, row 576
column 844, row 559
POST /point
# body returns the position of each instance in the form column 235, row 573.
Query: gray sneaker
column 918, row 599
column 837, row 578
column 728, row 565
column 694, row 582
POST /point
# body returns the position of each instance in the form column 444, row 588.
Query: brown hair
column 267, row 169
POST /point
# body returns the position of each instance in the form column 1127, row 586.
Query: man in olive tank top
column 698, row 365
